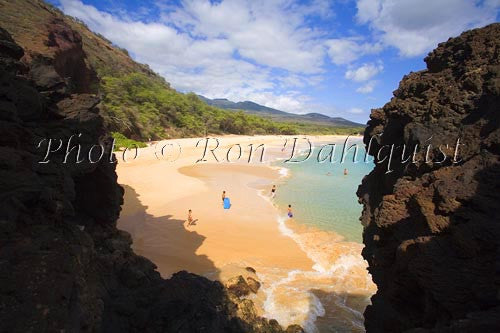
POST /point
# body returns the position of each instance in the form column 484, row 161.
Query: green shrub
column 121, row 141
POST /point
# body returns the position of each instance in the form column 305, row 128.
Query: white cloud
column 415, row 28
column 356, row 111
column 271, row 33
column 291, row 102
column 367, row 87
column 364, row 72
column 194, row 47
column 347, row 50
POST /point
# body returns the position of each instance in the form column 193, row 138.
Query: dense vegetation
column 144, row 108
column 121, row 141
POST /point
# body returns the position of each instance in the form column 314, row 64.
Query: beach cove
column 310, row 276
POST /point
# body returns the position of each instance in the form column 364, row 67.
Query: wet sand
column 160, row 193
column 309, row 277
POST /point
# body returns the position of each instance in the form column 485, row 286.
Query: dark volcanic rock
column 294, row 329
column 432, row 229
column 250, row 269
column 64, row 267
column 253, row 284
column 8, row 48
column 238, row 286
column 69, row 59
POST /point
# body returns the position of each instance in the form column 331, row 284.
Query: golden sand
column 309, row 274
column 159, row 194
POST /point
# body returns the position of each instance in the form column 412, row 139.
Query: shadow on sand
column 165, row 241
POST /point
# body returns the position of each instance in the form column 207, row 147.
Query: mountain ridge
column 275, row 114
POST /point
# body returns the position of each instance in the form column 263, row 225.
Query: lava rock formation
column 432, row 227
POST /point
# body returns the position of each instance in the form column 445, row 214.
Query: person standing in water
column 273, row 191
column 345, row 172
column 290, row 214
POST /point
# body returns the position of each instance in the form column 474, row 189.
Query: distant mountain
column 261, row 110
column 224, row 103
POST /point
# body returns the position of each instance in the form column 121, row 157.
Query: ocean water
column 332, row 296
column 321, row 195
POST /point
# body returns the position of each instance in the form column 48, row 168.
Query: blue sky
column 337, row 57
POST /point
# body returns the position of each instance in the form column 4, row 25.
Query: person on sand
column 273, row 191
column 190, row 217
column 223, row 196
column 290, row 214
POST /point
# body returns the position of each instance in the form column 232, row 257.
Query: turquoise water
column 321, row 195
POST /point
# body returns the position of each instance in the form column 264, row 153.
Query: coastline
column 169, row 189
column 290, row 259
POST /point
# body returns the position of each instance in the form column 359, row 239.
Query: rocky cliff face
column 432, row 229
column 64, row 265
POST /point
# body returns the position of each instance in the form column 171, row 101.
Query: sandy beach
column 221, row 243
column 159, row 193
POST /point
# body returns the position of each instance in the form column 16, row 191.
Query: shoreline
column 222, row 149
column 291, row 260
column 222, row 237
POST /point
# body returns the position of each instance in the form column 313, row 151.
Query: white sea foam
column 283, row 172
column 337, row 287
column 332, row 273
column 263, row 195
column 305, row 309
column 293, row 297
column 284, row 229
